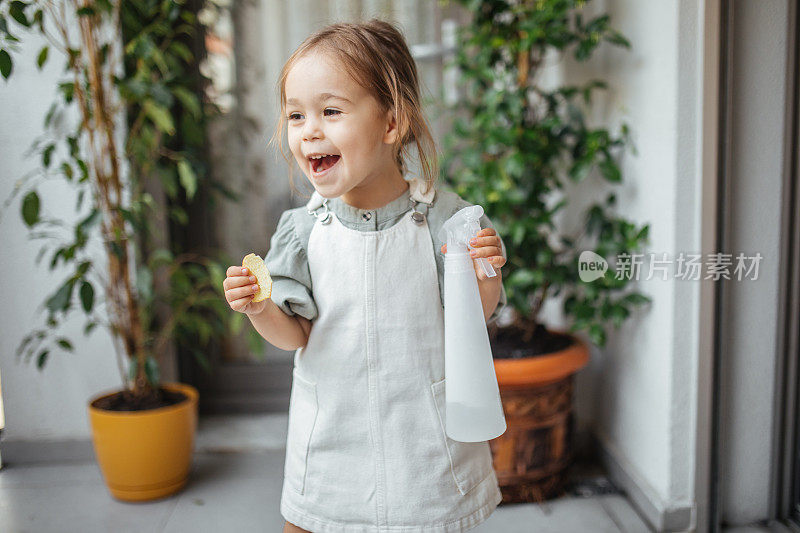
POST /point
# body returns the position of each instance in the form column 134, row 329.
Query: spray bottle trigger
column 485, row 266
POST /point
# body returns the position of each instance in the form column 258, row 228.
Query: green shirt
column 287, row 258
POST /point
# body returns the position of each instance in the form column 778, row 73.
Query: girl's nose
column 311, row 129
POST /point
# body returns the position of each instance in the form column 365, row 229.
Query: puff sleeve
column 288, row 266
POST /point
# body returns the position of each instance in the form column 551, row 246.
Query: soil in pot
column 126, row 401
column 510, row 342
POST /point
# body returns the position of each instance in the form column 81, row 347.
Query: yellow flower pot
column 146, row 454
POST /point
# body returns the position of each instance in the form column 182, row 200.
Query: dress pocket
column 302, row 417
column 470, row 462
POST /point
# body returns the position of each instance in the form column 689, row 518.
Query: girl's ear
column 391, row 135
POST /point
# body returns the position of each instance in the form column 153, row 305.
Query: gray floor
column 235, row 485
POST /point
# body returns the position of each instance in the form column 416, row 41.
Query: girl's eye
column 293, row 116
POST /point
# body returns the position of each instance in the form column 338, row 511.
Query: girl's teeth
column 326, row 161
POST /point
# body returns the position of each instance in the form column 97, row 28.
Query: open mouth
column 321, row 164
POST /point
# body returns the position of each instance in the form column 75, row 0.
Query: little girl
column 357, row 292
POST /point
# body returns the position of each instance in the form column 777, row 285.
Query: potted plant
column 513, row 146
column 143, row 434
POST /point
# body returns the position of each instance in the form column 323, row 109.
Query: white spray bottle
column 473, row 411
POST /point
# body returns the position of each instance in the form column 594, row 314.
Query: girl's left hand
column 487, row 245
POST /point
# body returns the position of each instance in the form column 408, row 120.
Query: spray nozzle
column 459, row 229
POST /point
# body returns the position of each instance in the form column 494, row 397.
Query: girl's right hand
column 240, row 288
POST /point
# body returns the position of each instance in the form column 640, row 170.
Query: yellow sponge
column 256, row 267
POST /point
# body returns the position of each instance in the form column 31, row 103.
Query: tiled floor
column 235, row 486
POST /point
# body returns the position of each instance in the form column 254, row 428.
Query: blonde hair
column 376, row 56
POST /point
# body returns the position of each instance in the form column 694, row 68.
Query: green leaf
column 48, row 118
column 178, row 214
column 82, row 268
column 67, row 170
column 67, row 88
column 47, row 154
column 188, row 178
column 189, row 100
column 636, row 298
column 90, row 220
column 162, row 256
column 6, row 65
column 29, row 337
column 84, row 170
column 161, row 95
column 181, row 50
column 617, row 38
column 60, row 300
column 584, row 311
column 38, row 19
column 610, row 170
column 522, row 277
column 87, row 296
column 597, row 334
column 643, row 233
column 42, row 359
column 41, row 59
column 106, row 5
column 160, row 117
column 17, row 12
column 580, row 169
column 56, row 255
column 618, row 314
column 89, row 327
column 30, row 208
column 64, row 343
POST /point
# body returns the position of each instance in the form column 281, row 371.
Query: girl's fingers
column 232, row 282
column 485, row 251
column 237, row 305
column 497, row 261
column 236, row 270
column 479, row 241
column 242, row 292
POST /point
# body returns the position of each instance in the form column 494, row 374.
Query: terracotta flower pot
column 532, row 456
column 146, row 454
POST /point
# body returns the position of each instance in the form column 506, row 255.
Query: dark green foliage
column 161, row 91
column 515, row 146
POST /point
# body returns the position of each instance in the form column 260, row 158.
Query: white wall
column 50, row 404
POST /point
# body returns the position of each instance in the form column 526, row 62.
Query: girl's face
column 329, row 113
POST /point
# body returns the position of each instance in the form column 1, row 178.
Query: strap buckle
column 417, row 216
